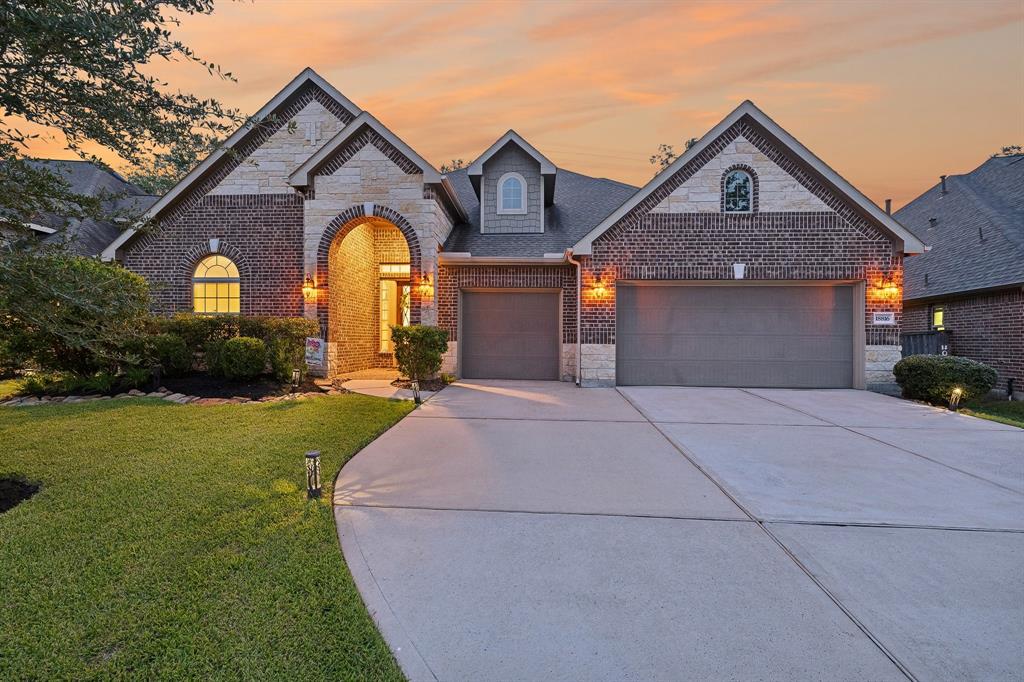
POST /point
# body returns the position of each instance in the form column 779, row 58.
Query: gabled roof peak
column 477, row 167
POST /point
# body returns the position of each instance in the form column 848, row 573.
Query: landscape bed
column 177, row 541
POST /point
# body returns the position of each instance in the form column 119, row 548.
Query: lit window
column 394, row 270
column 215, row 286
column 394, row 309
column 938, row 313
column 739, row 188
column 511, row 193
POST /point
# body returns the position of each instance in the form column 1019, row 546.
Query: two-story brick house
column 746, row 262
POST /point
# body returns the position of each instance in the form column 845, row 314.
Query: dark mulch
column 425, row 385
column 206, row 386
column 14, row 491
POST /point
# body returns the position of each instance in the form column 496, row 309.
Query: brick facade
column 987, row 327
column 662, row 240
column 262, row 233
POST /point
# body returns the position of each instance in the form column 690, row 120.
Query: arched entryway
column 369, row 278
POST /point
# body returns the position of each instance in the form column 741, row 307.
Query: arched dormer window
column 738, row 191
column 511, row 194
column 215, row 286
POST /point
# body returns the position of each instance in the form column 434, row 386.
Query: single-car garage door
column 735, row 335
column 509, row 335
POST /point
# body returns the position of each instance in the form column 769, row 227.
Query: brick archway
column 333, row 236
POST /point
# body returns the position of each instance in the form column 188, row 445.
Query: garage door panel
column 510, row 335
column 785, row 336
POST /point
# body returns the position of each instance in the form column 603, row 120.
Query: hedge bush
column 419, row 349
column 284, row 337
column 171, row 353
column 243, row 358
column 932, row 378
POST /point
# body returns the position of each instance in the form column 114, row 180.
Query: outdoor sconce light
column 426, row 286
column 309, row 290
column 887, row 289
column 313, row 474
column 598, row 288
column 954, row 398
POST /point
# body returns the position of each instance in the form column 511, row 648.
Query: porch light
column 426, row 286
column 313, row 474
column 598, row 288
column 309, row 290
column 954, row 398
column 886, row 289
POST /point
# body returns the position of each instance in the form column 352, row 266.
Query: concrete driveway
column 533, row 530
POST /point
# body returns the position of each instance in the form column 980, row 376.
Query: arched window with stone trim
column 216, row 286
column 737, row 192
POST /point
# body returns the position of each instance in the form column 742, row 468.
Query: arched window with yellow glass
column 215, row 286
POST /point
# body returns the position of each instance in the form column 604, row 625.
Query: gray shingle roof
column 978, row 236
column 581, row 203
column 89, row 237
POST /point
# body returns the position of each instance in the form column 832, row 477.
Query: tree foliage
column 453, row 165
column 63, row 312
column 666, row 154
column 78, row 67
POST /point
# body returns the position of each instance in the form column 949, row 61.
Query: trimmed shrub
column 212, row 356
column 933, row 377
column 418, row 349
column 171, row 353
column 243, row 358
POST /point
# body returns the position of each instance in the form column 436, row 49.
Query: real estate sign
column 314, row 351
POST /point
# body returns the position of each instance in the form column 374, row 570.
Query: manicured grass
column 8, row 387
column 1004, row 411
column 173, row 541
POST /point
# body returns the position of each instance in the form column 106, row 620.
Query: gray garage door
column 755, row 336
column 509, row 335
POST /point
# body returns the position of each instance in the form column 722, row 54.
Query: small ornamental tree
column 418, row 349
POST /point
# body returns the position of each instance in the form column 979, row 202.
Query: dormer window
column 737, row 192
column 511, row 194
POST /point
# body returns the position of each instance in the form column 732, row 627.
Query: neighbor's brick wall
column 988, row 328
column 261, row 233
column 511, row 159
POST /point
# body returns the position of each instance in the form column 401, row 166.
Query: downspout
column 579, row 309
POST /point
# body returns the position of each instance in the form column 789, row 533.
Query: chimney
column 943, row 179
column 888, row 207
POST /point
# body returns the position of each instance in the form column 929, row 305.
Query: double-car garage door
column 763, row 335
column 735, row 335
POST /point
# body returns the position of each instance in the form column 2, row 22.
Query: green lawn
column 1005, row 411
column 173, row 541
column 8, row 387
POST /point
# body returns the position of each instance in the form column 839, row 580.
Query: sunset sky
column 890, row 94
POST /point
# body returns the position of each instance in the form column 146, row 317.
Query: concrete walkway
column 533, row 530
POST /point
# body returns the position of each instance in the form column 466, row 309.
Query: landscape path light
column 313, row 474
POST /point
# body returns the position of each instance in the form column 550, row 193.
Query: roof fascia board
column 466, row 258
column 302, row 175
column 477, row 167
column 307, row 75
column 909, row 242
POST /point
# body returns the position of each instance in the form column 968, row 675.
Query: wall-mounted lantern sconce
column 886, row 289
column 426, row 286
column 309, row 290
column 598, row 288
column 313, row 474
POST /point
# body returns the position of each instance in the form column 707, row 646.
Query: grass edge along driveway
column 176, row 541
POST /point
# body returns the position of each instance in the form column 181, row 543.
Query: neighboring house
column 89, row 237
column 746, row 262
column 971, row 283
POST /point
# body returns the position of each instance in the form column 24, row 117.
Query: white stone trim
column 499, row 198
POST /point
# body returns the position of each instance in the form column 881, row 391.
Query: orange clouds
column 599, row 85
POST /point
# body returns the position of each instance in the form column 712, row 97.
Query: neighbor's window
column 938, row 315
column 511, row 193
column 739, row 191
column 215, row 286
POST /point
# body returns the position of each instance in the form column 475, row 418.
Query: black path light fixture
column 296, row 378
column 313, row 474
column 954, row 398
